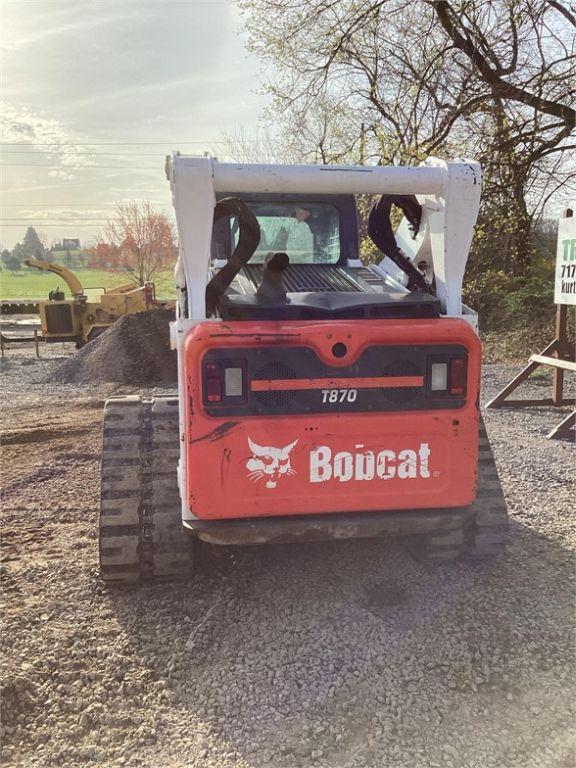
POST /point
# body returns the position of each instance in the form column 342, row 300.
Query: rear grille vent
column 402, row 368
column 274, row 371
column 307, row 278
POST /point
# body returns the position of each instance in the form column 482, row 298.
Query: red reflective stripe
column 377, row 382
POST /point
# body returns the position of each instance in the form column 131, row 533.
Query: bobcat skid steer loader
column 317, row 397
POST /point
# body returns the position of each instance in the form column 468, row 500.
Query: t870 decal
column 333, row 396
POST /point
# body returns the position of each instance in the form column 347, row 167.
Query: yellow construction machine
column 80, row 319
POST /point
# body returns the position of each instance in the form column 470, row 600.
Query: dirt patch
column 135, row 350
column 275, row 653
column 24, row 437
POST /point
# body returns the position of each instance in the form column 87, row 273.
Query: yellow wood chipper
column 80, row 319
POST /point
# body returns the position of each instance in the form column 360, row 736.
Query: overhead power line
column 56, row 221
column 90, row 154
column 54, row 166
column 42, row 225
column 90, row 206
column 64, row 144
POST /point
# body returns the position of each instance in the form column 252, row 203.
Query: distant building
column 70, row 242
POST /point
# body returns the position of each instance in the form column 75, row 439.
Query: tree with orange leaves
column 144, row 239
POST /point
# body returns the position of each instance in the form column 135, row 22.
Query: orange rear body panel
column 332, row 458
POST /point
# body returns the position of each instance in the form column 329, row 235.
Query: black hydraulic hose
column 382, row 235
column 247, row 243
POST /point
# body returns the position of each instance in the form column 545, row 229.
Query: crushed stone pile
column 135, row 350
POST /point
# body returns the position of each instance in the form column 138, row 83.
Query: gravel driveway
column 337, row 654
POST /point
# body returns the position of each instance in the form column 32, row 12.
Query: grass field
column 31, row 284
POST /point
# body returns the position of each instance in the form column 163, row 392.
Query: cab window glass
column 308, row 232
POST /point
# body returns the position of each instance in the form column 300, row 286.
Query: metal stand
column 5, row 340
column 559, row 356
column 565, row 428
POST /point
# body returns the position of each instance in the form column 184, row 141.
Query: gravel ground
column 339, row 654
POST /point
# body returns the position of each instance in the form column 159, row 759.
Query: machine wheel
column 485, row 533
column 141, row 534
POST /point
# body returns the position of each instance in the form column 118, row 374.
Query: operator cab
column 306, row 264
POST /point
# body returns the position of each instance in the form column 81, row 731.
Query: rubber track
column 141, row 535
column 485, row 532
column 487, row 536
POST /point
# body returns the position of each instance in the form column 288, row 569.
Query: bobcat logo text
column 368, row 464
column 271, row 464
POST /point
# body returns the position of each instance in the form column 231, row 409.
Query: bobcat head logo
column 269, row 463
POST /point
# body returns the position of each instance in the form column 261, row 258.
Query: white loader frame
column 448, row 191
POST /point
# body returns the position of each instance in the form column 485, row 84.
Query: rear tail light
column 213, row 390
column 213, row 382
column 458, row 376
column 439, row 377
column 224, row 382
column 233, row 382
column 447, row 376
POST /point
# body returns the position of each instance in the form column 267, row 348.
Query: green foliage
column 369, row 253
column 11, row 262
column 504, row 301
column 33, row 284
column 504, row 294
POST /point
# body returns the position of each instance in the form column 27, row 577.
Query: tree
column 104, row 255
column 11, row 261
column 83, row 257
column 392, row 81
column 68, row 259
column 143, row 238
column 19, row 253
column 264, row 146
column 5, row 257
column 32, row 245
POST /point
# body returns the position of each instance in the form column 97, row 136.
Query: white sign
column 565, row 281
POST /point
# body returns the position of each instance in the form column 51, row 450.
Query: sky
column 94, row 94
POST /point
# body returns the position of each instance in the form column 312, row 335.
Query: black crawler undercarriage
column 141, row 533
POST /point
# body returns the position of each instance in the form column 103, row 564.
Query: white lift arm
column 448, row 190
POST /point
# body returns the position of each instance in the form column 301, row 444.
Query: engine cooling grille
column 402, row 368
column 307, row 278
column 274, row 371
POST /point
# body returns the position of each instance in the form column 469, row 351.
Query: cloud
column 88, row 23
column 68, row 215
column 57, row 174
column 25, row 127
